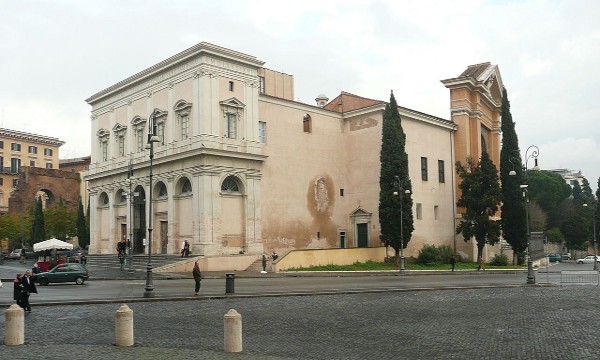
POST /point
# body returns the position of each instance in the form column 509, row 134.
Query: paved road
column 493, row 323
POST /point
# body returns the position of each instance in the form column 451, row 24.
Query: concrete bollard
column 233, row 331
column 14, row 325
column 124, row 326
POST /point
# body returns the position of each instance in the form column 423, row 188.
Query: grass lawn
column 373, row 265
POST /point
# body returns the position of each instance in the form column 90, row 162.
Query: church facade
column 240, row 167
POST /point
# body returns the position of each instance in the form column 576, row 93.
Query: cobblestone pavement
column 495, row 323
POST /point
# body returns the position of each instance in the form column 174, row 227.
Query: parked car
column 555, row 258
column 566, row 256
column 16, row 254
column 64, row 273
column 587, row 260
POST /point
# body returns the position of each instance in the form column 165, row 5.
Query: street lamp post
column 594, row 240
column 396, row 193
column 130, row 196
column 533, row 155
column 152, row 138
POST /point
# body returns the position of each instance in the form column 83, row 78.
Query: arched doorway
column 139, row 219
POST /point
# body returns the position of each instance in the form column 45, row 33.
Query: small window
column 160, row 132
column 424, row 168
column 231, row 86
column 47, row 152
column 262, row 132
column 184, row 127
column 104, row 145
column 441, row 173
column 419, row 211
column 436, row 210
column 229, row 185
column 32, row 149
column 186, row 187
column 307, row 123
column 48, row 165
column 162, row 190
column 342, row 239
column 140, row 139
column 15, row 183
column 15, row 165
column 1, row 181
column 15, row 147
column 1, row 144
column 261, row 84
column 230, row 126
column 32, row 163
column 103, row 200
column 341, row 192
column 121, row 145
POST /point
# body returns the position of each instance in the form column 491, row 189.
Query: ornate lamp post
column 400, row 192
column 533, row 155
column 594, row 239
column 130, row 197
column 152, row 138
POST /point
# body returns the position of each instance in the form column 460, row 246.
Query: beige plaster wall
column 307, row 258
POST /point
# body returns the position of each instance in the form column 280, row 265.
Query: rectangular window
column 441, row 173
column 262, row 132
column 185, row 120
column 15, row 183
column 1, row 144
column 15, row 165
column 160, row 132
column 32, row 149
column 47, row 152
column 231, row 86
column 436, row 210
column 424, row 168
column 32, row 163
column 1, row 181
column 261, row 84
column 419, row 211
column 1, row 163
column 230, row 126
column 306, row 123
column 140, row 139
column 48, row 165
column 121, row 145
column 104, row 145
column 15, row 147
column 341, row 192
column 342, row 239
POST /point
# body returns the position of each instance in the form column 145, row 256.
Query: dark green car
column 555, row 258
column 71, row 272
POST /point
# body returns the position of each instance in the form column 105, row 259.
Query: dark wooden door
column 362, row 234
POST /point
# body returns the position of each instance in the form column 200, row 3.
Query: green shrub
column 431, row 255
column 499, row 260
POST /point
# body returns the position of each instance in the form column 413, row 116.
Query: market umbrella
column 51, row 244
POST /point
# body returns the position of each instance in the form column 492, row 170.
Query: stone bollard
column 233, row 331
column 124, row 326
column 14, row 325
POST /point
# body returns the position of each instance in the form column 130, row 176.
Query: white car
column 587, row 260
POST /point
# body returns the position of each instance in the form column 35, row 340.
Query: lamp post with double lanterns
column 594, row 240
column 152, row 138
column 528, row 155
column 400, row 192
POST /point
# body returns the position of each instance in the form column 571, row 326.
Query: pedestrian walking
column 197, row 277
column 185, row 250
column 481, row 265
column 264, row 263
column 122, row 260
column 83, row 259
column 453, row 262
column 28, row 288
column 18, row 290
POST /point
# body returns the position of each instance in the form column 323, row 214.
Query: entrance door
column 362, row 234
column 164, row 239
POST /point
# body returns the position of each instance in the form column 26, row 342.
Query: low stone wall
column 216, row 263
column 316, row 257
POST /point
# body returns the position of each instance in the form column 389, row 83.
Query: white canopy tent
column 52, row 244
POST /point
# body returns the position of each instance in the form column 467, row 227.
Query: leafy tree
column 38, row 229
column 554, row 236
column 514, row 227
column 576, row 220
column 394, row 163
column 82, row 230
column 480, row 198
column 549, row 190
column 13, row 227
column 537, row 217
column 60, row 221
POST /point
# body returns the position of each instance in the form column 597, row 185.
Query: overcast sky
column 55, row 54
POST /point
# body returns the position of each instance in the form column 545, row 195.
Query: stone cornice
column 23, row 136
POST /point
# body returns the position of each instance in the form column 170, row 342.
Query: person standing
column 453, row 262
column 121, row 260
column 186, row 248
column 28, row 288
column 197, row 277
column 18, row 290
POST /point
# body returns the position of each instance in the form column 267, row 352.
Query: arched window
column 161, row 190
column 121, row 197
column 230, row 185
column 103, row 199
column 186, row 187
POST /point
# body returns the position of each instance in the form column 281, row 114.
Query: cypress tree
column 394, row 167
column 514, row 228
column 38, row 230
column 82, row 232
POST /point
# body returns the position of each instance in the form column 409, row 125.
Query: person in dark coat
column 453, row 262
column 28, row 288
column 197, row 277
column 18, row 291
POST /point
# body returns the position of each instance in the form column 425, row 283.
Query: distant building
column 20, row 149
column 79, row 165
column 570, row 176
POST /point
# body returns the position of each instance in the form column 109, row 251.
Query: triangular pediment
column 232, row 102
column 360, row 212
column 118, row 127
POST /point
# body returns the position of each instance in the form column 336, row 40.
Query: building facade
column 240, row 167
column 19, row 149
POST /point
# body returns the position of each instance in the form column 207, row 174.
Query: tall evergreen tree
column 481, row 196
column 38, row 230
column 394, row 163
column 82, row 229
column 514, row 228
column 576, row 220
